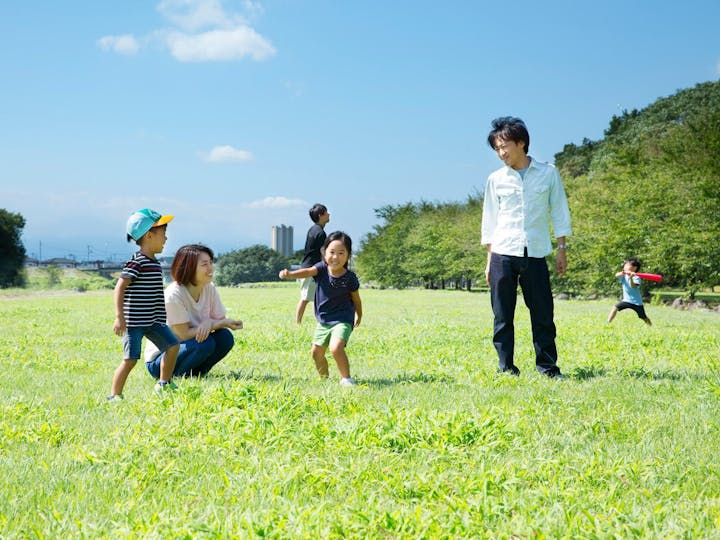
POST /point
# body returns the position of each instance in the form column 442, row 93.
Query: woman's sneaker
column 164, row 389
column 347, row 381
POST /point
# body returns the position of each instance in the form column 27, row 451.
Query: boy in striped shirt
column 140, row 302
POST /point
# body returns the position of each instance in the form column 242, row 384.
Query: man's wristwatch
column 562, row 246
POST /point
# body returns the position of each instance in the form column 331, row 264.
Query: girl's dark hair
column 635, row 262
column 511, row 129
column 185, row 262
column 344, row 238
column 316, row 211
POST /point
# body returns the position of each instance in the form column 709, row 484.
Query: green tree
column 650, row 189
column 689, row 154
column 250, row 265
column 425, row 244
column 465, row 255
column 444, row 245
column 54, row 275
column 424, row 258
column 382, row 252
column 12, row 251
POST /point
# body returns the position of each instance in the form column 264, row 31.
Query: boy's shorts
column 307, row 289
column 159, row 334
column 323, row 333
column 640, row 310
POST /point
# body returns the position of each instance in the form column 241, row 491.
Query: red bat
column 650, row 277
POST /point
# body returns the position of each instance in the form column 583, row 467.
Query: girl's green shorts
column 324, row 332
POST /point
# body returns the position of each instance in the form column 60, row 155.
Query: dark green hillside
column 651, row 188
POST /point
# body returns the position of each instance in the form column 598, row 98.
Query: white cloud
column 219, row 45
column 224, row 154
column 200, row 31
column 253, row 7
column 126, row 44
column 276, row 202
column 192, row 15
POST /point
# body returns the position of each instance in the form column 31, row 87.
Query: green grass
column 63, row 279
column 432, row 444
column 710, row 297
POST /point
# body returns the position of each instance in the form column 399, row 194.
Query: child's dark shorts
column 640, row 310
column 159, row 334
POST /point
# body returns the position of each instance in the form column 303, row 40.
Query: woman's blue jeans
column 197, row 358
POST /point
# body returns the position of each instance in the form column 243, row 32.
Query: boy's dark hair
column 316, row 211
column 635, row 262
column 185, row 262
column 509, row 128
column 344, row 238
column 139, row 240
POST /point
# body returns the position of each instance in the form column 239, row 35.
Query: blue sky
column 238, row 115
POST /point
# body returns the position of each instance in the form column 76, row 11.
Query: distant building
column 282, row 239
column 60, row 262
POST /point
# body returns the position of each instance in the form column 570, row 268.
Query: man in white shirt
column 521, row 200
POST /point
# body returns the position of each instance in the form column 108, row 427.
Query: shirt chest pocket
column 537, row 193
column 509, row 197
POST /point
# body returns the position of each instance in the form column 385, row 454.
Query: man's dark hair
column 316, row 211
column 509, row 128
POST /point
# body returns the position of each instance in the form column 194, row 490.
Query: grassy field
column 432, row 444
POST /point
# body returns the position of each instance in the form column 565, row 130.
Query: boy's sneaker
column 116, row 398
column 164, row 389
column 347, row 381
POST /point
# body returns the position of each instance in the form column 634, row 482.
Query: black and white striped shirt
column 144, row 302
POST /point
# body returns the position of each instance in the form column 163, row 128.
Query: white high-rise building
column 282, row 239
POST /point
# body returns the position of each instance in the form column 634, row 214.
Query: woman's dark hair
column 185, row 263
column 344, row 238
column 510, row 129
column 316, row 211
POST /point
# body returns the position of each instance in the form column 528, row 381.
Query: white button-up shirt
column 517, row 213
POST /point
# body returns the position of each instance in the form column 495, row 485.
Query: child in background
column 632, row 298
column 338, row 308
column 140, row 302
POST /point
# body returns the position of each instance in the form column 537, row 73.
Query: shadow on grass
column 404, row 378
column 663, row 375
column 592, row 372
column 252, row 375
column 587, row 372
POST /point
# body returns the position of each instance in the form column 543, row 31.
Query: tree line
column 650, row 188
column 251, row 265
column 435, row 245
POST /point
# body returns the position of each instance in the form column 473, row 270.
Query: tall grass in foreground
column 433, row 444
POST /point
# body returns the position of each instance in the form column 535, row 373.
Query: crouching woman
column 195, row 314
